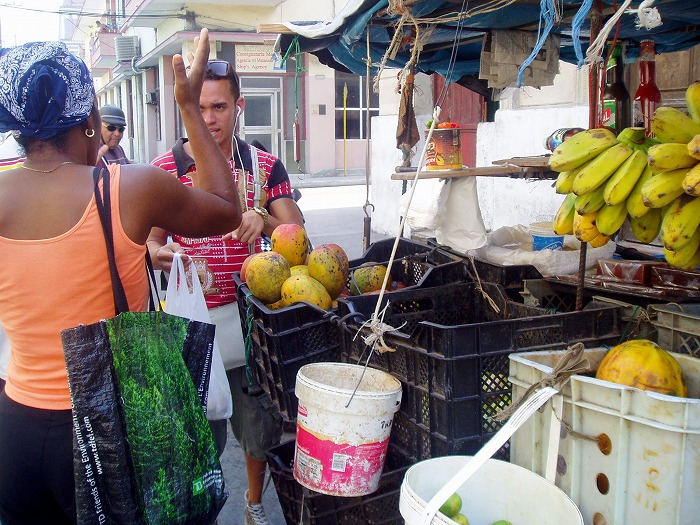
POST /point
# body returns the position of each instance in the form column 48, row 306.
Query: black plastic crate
column 415, row 264
column 286, row 339
column 510, row 277
column 302, row 506
column 451, row 356
column 278, row 356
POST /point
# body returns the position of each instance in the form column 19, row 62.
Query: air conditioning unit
column 126, row 47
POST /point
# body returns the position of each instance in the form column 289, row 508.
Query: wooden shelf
column 517, row 167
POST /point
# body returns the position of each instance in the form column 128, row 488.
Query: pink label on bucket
column 338, row 468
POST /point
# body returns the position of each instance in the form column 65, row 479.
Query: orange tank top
column 52, row 284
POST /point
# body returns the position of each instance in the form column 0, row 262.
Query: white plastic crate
column 678, row 327
column 642, row 465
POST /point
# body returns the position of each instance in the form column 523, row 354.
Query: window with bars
column 351, row 106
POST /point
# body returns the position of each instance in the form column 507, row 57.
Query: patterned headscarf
column 44, row 89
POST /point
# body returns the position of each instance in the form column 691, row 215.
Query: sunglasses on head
column 219, row 68
column 112, row 127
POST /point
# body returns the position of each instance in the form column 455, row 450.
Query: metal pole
column 593, row 103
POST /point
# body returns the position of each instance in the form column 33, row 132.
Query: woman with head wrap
column 53, row 263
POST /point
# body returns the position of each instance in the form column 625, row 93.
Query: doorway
column 261, row 119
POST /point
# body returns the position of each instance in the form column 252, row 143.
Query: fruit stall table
column 516, row 167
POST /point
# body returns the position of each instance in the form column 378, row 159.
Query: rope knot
column 571, row 363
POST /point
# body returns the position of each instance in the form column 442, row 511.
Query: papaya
column 643, row 364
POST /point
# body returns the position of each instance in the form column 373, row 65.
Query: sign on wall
column 258, row 59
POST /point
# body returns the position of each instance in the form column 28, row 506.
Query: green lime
column 452, row 506
column 460, row 518
column 502, row 522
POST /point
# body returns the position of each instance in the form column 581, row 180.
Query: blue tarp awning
column 453, row 48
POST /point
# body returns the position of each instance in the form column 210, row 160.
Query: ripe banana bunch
column 598, row 173
column 673, row 187
column 653, row 183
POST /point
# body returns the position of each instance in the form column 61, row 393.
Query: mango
column 307, row 289
column 367, row 279
column 265, row 275
column 329, row 265
column 299, row 269
column 291, row 242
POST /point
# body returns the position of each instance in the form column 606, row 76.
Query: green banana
column 581, row 148
column 680, row 222
column 670, row 156
column 663, row 188
column 611, row 218
column 647, row 227
column 620, row 185
column 672, row 125
column 635, row 203
column 601, row 168
column 691, row 182
column 692, row 101
column 589, row 202
column 635, row 138
column 563, row 223
column 687, row 257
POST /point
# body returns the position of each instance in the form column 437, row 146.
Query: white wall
column 520, row 133
column 525, row 119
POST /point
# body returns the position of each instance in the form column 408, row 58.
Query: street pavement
column 332, row 209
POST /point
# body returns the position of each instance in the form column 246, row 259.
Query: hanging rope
column 595, row 50
column 576, row 24
column 550, row 13
column 571, row 363
column 296, row 48
column 647, row 17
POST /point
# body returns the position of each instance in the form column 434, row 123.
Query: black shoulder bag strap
column 104, row 209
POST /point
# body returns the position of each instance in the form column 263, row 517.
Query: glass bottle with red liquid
column 648, row 96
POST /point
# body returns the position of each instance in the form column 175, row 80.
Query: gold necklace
column 47, row 171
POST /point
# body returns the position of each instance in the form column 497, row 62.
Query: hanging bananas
column 647, row 227
column 653, row 183
column 581, row 148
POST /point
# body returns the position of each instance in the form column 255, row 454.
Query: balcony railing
column 102, row 51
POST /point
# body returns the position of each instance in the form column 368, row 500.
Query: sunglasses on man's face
column 112, row 127
column 219, row 68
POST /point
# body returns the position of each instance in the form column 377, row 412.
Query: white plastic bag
column 427, row 209
column 512, row 245
column 462, row 228
column 191, row 305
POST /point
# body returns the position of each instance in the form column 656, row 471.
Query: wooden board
column 485, row 171
column 541, row 161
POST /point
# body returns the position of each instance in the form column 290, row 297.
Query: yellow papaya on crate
column 643, row 364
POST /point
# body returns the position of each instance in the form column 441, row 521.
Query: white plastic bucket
column 341, row 447
column 544, row 238
column 496, row 491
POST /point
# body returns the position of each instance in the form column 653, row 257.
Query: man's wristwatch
column 263, row 213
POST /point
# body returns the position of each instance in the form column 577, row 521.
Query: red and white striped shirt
column 216, row 260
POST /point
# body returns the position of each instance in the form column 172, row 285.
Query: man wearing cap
column 113, row 123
